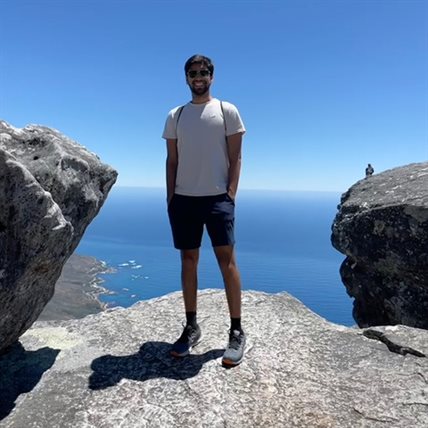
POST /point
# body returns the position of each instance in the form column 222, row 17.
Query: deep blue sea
column 283, row 244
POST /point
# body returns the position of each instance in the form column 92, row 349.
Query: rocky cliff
column 382, row 228
column 50, row 190
column 77, row 290
column 114, row 369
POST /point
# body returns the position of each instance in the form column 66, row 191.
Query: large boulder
column 50, row 190
column 382, row 228
column 114, row 369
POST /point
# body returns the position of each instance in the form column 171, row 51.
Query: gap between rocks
column 393, row 347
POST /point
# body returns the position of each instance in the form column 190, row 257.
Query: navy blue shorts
column 189, row 214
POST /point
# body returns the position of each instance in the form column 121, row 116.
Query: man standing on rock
column 204, row 139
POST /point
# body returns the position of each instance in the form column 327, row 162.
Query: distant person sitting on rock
column 369, row 170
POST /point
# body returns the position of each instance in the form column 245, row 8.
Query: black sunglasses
column 203, row 73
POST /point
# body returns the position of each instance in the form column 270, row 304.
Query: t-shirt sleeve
column 234, row 123
column 170, row 129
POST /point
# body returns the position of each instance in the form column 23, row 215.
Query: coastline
column 77, row 290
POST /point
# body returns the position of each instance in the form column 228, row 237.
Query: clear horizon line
column 240, row 189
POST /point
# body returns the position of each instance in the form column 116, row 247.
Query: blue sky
column 323, row 86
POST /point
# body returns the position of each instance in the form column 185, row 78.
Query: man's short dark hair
column 199, row 59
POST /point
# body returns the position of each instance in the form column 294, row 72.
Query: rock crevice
column 393, row 347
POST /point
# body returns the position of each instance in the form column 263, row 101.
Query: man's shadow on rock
column 20, row 371
column 152, row 361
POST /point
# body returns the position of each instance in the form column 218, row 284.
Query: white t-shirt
column 201, row 143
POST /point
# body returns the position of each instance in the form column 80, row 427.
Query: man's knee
column 225, row 256
column 190, row 258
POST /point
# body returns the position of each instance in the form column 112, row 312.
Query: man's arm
column 171, row 167
column 234, row 144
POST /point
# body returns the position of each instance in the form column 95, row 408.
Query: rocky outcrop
column 382, row 228
column 50, row 190
column 114, row 369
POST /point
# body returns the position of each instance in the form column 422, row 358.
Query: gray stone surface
column 113, row 369
column 50, row 190
column 382, row 228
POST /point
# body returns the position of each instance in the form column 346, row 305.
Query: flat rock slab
column 113, row 369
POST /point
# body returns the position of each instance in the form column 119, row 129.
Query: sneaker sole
column 230, row 363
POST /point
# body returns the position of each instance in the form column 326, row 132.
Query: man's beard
column 202, row 90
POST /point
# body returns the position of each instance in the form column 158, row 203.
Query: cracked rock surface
column 382, row 228
column 50, row 190
column 114, row 369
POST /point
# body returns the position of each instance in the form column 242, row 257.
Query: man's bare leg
column 234, row 352
column 225, row 255
column 189, row 278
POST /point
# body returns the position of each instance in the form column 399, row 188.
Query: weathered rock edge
column 50, row 190
column 113, row 369
column 382, row 228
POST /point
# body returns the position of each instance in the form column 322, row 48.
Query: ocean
column 282, row 244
